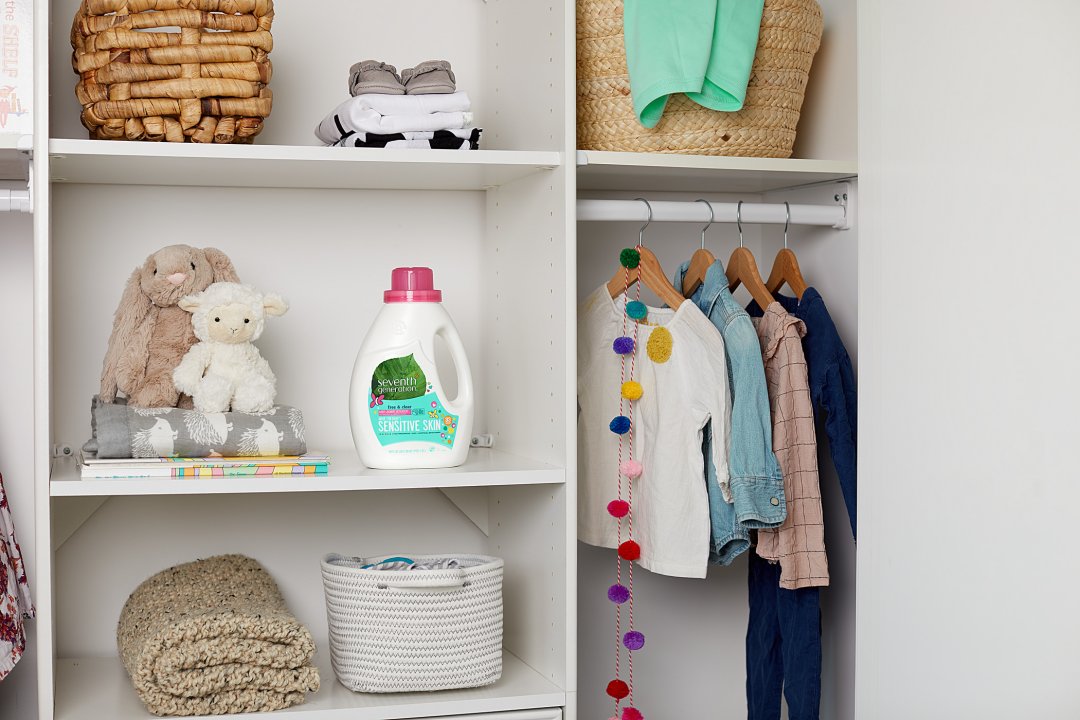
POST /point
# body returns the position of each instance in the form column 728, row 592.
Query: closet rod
column 725, row 212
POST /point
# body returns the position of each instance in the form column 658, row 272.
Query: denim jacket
column 832, row 386
column 756, row 485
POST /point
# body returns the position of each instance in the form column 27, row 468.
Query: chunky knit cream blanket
column 212, row 637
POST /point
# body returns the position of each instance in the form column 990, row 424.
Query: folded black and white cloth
column 457, row 139
column 121, row 431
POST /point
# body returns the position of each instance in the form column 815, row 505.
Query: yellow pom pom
column 659, row 345
column 631, row 390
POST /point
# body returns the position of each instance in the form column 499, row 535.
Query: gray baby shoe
column 371, row 76
column 429, row 78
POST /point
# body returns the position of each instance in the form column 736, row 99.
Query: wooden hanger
column 742, row 268
column 648, row 271
column 785, row 268
column 700, row 261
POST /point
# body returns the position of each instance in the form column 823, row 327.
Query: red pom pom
column 618, row 508
column 630, row 713
column 618, row 689
column 629, row 550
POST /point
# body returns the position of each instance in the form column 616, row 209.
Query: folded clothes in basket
column 404, row 563
column 213, row 637
column 121, row 431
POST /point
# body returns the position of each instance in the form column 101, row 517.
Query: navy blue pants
column 783, row 646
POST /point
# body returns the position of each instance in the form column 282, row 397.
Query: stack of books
column 176, row 467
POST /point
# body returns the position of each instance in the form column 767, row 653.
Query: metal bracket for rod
column 841, row 198
column 21, row 200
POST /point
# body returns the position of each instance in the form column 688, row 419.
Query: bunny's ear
column 130, row 316
column 274, row 304
column 221, row 265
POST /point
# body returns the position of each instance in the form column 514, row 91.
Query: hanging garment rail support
column 694, row 212
column 21, row 200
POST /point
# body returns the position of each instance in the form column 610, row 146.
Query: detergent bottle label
column 405, row 407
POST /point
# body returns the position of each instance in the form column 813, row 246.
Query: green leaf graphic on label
column 398, row 379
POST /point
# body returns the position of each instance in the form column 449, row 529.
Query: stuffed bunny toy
column 150, row 332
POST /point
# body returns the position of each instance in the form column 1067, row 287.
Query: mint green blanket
column 704, row 48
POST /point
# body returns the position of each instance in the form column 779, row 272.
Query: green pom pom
column 630, row 258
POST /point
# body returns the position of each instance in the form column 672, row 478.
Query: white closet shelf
column 99, row 688
column 289, row 166
column 485, row 467
column 657, row 172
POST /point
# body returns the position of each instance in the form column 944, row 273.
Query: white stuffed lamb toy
column 224, row 369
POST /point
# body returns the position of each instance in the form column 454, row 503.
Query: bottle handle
column 449, row 335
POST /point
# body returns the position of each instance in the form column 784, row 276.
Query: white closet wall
column 967, row 564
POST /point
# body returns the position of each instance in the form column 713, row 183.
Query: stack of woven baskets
column 175, row 70
column 765, row 127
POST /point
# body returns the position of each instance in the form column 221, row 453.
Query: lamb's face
column 234, row 323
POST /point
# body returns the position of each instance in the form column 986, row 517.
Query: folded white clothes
column 353, row 117
column 412, row 104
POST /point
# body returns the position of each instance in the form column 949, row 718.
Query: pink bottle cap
column 412, row 284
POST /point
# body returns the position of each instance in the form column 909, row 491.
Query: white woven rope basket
column 414, row 630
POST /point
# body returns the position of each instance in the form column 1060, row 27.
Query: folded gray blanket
column 122, row 431
column 213, row 637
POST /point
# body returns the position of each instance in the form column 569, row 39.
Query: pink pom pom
column 631, row 469
column 630, row 713
column 618, row 508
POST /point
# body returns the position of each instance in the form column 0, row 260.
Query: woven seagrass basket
column 765, row 127
column 175, row 70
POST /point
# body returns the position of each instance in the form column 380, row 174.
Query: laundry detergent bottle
column 401, row 417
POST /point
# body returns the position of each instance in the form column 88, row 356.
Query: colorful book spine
column 250, row 470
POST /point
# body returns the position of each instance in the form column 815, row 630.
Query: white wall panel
column 967, row 563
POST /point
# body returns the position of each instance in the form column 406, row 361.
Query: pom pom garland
column 658, row 350
column 629, row 550
column 618, row 594
column 630, row 258
column 633, row 640
column 636, row 309
column 618, row 689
